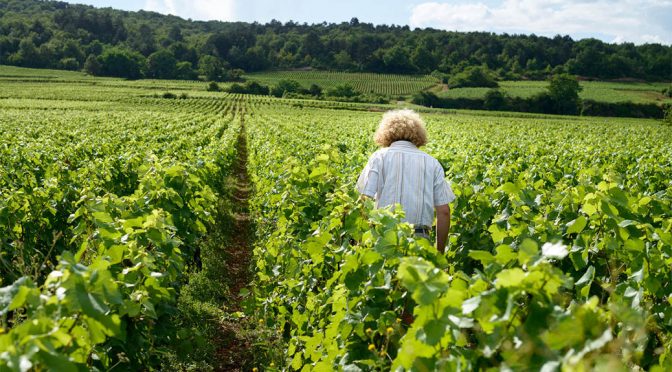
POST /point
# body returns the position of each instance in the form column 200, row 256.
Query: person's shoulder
column 433, row 160
column 430, row 157
column 380, row 152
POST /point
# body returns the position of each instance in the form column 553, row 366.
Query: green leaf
column 432, row 332
column 577, row 225
column 634, row 244
column 8, row 293
column 527, row 250
column 57, row 362
column 505, row 254
column 509, row 188
column 484, row 256
column 585, row 281
column 497, row 233
column 510, row 278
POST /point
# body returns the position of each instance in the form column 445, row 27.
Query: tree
column 211, row 68
column 68, row 63
column 342, row 90
column 161, row 65
column 285, row 86
column 143, row 40
column 122, row 63
column 423, row 58
column 175, row 33
column 92, row 66
column 494, row 100
column 564, row 91
column 315, row 90
column 396, row 60
column 342, row 60
column 668, row 115
column 185, row 71
column 473, row 76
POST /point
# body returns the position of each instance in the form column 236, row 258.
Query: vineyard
column 387, row 84
column 112, row 201
column 600, row 91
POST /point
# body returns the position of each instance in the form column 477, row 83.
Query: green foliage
column 344, row 90
column 556, row 256
column 564, row 90
column 363, row 83
column 494, row 100
column 121, row 63
column 102, row 244
column 39, row 34
column 161, row 65
column 667, row 92
column 473, row 76
column 213, row 87
column 211, row 68
column 184, row 71
column 559, row 251
column 250, row 87
column 92, row 65
column 286, row 86
column 315, row 90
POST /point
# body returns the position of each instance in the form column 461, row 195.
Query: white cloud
column 221, row 10
column 612, row 20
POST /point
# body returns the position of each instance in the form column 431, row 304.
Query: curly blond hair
column 401, row 125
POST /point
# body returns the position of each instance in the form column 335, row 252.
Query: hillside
column 52, row 34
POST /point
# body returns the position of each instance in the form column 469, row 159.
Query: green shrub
column 342, row 90
column 286, row 86
column 213, row 87
column 473, row 76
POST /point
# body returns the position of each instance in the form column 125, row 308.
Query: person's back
column 401, row 173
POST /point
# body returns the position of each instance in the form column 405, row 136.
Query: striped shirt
column 403, row 174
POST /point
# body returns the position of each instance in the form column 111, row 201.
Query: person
column 401, row 173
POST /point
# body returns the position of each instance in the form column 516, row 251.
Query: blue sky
column 637, row 21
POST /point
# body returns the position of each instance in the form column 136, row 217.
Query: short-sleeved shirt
column 403, row 174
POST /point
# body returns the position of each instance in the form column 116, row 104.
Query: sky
column 613, row 21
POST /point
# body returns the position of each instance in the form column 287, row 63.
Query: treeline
column 54, row 34
column 561, row 97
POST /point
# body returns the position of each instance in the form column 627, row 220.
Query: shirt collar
column 403, row 145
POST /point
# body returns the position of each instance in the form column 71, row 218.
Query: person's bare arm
column 442, row 226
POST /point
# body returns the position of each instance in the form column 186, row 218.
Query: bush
column 69, row 64
column 213, row 87
column 495, row 100
column 169, row 95
column 668, row 115
column 185, row 71
column 315, row 90
column 564, row 91
column 342, row 90
column 250, row 87
column 667, row 92
column 428, row 99
column 286, row 86
column 473, row 76
column 121, row 63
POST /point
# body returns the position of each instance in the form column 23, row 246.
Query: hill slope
column 66, row 36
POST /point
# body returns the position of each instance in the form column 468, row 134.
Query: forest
column 109, row 42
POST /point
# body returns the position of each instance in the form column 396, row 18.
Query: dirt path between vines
column 234, row 354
